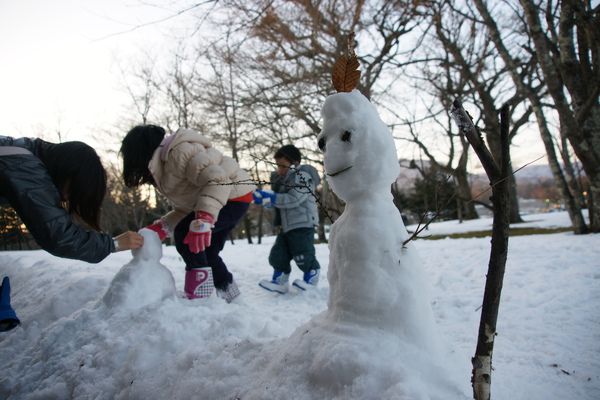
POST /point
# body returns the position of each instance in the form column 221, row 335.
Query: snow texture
column 69, row 346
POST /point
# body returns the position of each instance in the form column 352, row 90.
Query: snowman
column 377, row 338
column 374, row 278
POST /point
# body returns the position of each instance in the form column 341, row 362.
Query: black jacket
column 26, row 186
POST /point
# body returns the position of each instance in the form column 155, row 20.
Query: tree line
column 252, row 75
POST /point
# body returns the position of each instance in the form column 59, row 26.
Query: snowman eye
column 346, row 136
column 322, row 144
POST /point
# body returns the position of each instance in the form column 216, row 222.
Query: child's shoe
column 310, row 280
column 279, row 283
column 231, row 292
column 198, row 283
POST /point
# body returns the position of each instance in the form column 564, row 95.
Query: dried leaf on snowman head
column 345, row 74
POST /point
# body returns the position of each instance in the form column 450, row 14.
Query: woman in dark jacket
column 51, row 186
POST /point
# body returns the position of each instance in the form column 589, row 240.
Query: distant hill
column 530, row 174
column 534, row 173
column 528, row 178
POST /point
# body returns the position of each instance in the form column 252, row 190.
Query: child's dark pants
column 229, row 216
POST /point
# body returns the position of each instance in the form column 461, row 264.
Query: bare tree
column 455, row 147
column 482, row 80
column 139, row 82
column 290, row 47
column 518, row 66
column 566, row 38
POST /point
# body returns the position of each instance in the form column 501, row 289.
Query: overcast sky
column 59, row 62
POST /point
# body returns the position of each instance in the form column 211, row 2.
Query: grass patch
column 488, row 233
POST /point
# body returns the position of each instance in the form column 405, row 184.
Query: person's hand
column 257, row 197
column 264, row 198
column 159, row 227
column 198, row 237
column 130, row 240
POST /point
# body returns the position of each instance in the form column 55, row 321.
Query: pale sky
column 59, row 63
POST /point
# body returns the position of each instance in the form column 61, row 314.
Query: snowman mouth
column 339, row 172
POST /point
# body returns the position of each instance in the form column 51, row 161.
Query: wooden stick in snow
column 482, row 361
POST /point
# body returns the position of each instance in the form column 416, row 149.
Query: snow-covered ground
column 79, row 339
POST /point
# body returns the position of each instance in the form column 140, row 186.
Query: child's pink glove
column 159, row 228
column 198, row 238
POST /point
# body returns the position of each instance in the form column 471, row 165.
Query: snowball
column 152, row 248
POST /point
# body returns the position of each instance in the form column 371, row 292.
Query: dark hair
column 290, row 153
column 79, row 176
column 137, row 149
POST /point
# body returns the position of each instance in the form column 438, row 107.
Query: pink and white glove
column 198, row 238
column 159, row 227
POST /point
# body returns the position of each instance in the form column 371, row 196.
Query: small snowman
column 143, row 280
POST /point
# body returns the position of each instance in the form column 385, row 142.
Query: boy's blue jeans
column 298, row 245
column 229, row 216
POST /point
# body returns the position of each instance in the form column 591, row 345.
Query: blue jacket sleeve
column 26, row 184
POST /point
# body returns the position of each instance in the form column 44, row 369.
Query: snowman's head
column 358, row 148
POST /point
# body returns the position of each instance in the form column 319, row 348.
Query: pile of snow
column 68, row 346
column 546, row 221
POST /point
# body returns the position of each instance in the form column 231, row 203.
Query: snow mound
column 349, row 361
column 142, row 281
column 278, row 347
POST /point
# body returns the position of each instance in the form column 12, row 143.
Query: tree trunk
column 260, row 224
column 579, row 226
column 495, row 147
column 323, row 211
column 248, row 228
column 572, row 183
column 465, row 195
column 515, row 213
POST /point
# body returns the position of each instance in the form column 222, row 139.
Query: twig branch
column 473, row 135
column 498, row 174
column 420, row 229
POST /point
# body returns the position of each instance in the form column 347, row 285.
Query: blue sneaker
column 310, row 280
column 279, row 283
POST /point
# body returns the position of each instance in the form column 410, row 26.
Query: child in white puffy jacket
column 208, row 191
